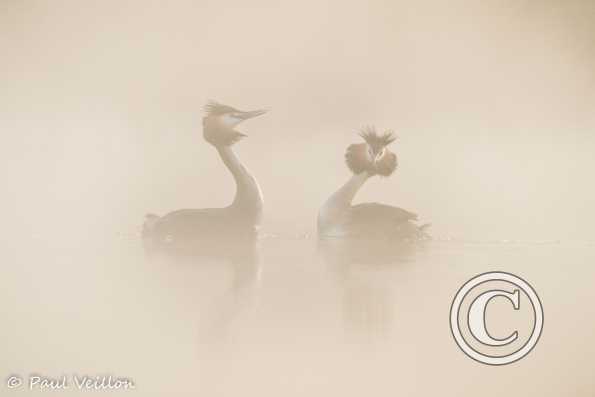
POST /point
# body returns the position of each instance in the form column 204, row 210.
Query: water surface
column 292, row 320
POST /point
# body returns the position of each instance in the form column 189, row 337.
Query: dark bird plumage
column 381, row 221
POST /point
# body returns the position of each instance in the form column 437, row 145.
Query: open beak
column 253, row 113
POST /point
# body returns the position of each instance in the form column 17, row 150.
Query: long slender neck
column 335, row 211
column 248, row 195
column 344, row 196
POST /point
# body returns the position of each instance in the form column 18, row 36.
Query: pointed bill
column 251, row 114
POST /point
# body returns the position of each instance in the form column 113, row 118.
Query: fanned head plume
column 372, row 156
column 220, row 120
column 375, row 140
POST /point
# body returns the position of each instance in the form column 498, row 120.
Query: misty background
column 100, row 115
column 493, row 104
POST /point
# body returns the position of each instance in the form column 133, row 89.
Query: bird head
column 219, row 123
column 372, row 155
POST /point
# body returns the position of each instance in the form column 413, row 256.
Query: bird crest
column 213, row 108
column 376, row 140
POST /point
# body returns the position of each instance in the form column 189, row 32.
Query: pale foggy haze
column 101, row 112
column 493, row 106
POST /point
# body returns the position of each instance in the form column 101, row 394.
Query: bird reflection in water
column 366, row 273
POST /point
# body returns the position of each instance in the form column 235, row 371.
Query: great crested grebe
column 205, row 226
column 339, row 218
